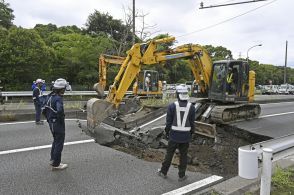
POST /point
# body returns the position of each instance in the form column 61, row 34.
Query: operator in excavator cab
column 230, row 81
column 179, row 128
column 148, row 82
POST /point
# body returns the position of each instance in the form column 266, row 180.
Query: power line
column 228, row 4
column 224, row 21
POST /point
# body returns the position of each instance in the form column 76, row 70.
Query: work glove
column 166, row 130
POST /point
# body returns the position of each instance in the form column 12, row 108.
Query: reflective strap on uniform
column 229, row 78
column 51, row 109
column 40, row 93
column 50, row 106
column 181, row 128
column 181, row 124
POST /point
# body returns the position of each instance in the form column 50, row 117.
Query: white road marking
column 26, row 122
column 43, row 147
column 278, row 114
column 152, row 121
column 194, row 186
column 276, row 103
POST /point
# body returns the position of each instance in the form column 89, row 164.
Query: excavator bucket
column 99, row 89
column 97, row 111
column 208, row 130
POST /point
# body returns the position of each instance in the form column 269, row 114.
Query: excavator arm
column 148, row 54
column 104, row 61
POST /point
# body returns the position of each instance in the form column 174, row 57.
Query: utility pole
column 285, row 68
column 134, row 29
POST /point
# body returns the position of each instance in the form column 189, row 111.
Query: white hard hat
column 148, row 75
column 39, row 81
column 183, row 92
column 61, row 84
column 164, row 82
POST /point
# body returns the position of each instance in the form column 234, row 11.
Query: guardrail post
column 266, row 173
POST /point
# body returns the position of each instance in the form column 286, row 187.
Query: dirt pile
column 205, row 155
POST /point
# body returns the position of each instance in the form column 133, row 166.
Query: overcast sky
column 268, row 22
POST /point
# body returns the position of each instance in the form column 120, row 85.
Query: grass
column 283, row 181
column 73, row 105
column 20, row 104
column 153, row 102
column 8, row 116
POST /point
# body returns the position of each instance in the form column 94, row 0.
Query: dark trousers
column 171, row 148
column 38, row 111
column 58, row 133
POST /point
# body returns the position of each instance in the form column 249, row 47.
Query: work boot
column 40, row 123
column 60, row 167
column 182, row 178
column 160, row 174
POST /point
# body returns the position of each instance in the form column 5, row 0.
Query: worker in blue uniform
column 179, row 128
column 37, row 99
column 56, row 119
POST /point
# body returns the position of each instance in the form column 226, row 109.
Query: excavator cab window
column 218, row 78
column 229, row 81
column 148, row 78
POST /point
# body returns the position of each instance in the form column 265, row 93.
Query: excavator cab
column 147, row 83
column 229, row 81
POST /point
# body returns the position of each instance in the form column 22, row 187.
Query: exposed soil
column 205, row 155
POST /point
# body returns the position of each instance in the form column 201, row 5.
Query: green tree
column 98, row 23
column 27, row 57
column 78, row 57
column 104, row 24
column 45, row 30
column 218, row 53
column 6, row 15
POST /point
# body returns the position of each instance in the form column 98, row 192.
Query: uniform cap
column 61, row 84
column 183, row 92
column 39, row 81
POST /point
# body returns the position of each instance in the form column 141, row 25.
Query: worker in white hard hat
column 164, row 89
column 37, row 94
column 148, row 83
column 179, row 128
column 55, row 116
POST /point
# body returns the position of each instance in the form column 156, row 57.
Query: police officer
column 55, row 118
column 37, row 98
column 179, row 128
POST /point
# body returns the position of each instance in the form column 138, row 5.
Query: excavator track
column 225, row 114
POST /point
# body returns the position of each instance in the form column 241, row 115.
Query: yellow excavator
column 224, row 101
column 104, row 60
column 139, row 87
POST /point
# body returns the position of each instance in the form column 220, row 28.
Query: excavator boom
column 209, row 76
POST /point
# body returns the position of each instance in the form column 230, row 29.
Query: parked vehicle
column 286, row 89
column 270, row 89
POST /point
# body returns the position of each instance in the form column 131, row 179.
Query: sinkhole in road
column 206, row 155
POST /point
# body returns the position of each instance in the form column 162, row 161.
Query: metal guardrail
column 7, row 94
column 263, row 154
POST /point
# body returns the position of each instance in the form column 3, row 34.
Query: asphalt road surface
column 276, row 120
column 93, row 169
